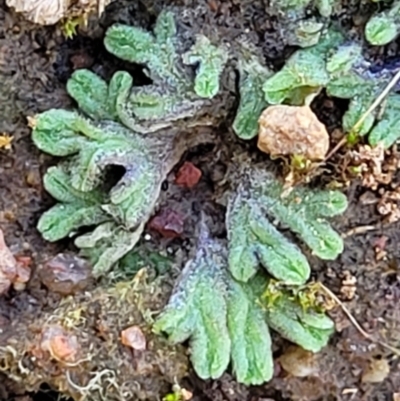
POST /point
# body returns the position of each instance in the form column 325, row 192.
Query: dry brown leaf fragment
column 388, row 205
column 134, row 338
column 292, row 130
column 43, row 12
column 5, row 141
column 369, row 162
column 377, row 168
column 49, row 12
column 349, row 288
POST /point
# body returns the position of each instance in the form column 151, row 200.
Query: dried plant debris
column 384, row 27
column 377, row 371
column 377, row 169
column 299, row 362
column 121, row 125
column 374, row 166
column 96, row 345
column 218, row 302
column 49, row 12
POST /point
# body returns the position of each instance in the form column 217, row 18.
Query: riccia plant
column 304, row 21
column 254, row 240
column 297, row 7
column 136, row 128
column 253, row 74
column 384, row 27
column 218, row 301
column 173, row 95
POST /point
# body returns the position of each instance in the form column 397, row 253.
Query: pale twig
column 356, row 324
column 377, row 101
column 359, row 230
column 357, row 125
column 100, row 7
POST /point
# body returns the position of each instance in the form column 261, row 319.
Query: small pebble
column 134, row 338
column 292, row 130
column 65, row 274
column 168, row 223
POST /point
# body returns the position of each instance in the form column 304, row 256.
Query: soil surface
column 35, row 63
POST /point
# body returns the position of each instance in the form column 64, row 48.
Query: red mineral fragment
column 168, row 223
column 188, row 175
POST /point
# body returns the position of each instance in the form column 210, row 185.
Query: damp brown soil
column 35, row 63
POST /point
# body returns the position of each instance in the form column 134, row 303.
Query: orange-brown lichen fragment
column 292, row 130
